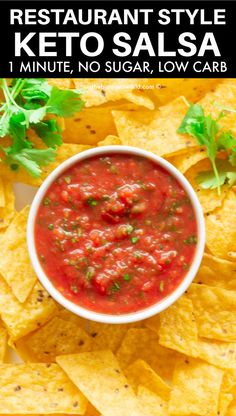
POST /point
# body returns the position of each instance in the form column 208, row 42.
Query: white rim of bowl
column 133, row 316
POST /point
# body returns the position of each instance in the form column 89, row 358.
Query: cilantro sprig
column 220, row 147
column 36, row 105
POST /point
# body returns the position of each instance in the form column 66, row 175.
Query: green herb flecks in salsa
column 119, row 253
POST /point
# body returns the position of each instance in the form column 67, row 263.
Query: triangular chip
column 7, row 209
column 151, row 404
column 221, row 228
column 22, row 318
column 15, row 265
column 215, row 271
column 141, row 373
column 38, row 389
column 55, row 338
column 214, row 309
column 196, row 388
column 156, row 131
column 98, row 376
column 142, row 343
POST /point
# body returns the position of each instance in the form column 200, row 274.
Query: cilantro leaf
column 64, row 103
column 204, row 129
column 31, row 159
column 50, row 132
column 27, row 103
column 227, row 176
column 226, row 141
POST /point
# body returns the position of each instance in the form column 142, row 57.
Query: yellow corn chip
column 141, row 373
column 99, row 378
column 220, row 354
column 106, row 335
column 153, row 323
column 22, row 318
column 89, row 126
column 110, row 140
column 143, row 343
column 91, row 411
column 178, row 329
column 229, row 381
column 224, row 402
column 3, row 343
column 99, row 91
column 15, row 264
column 214, row 309
column 38, row 388
column 217, row 272
column 66, row 315
column 62, row 83
column 151, row 404
column 221, row 228
column 223, row 95
column 155, row 131
column 168, row 89
column 185, row 161
column 196, row 388
column 208, row 198
column 2, row 194
column 7, row 211
column 55, row 338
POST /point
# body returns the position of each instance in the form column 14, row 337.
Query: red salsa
column 116, row 233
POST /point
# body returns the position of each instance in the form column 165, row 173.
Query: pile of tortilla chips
column 180, row 362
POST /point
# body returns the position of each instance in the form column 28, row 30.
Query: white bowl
column 151, row 310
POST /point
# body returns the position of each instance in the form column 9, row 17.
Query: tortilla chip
column 220, row 354
column 223, row 95
column 91, row 411
column 98, row 376
column 151, row 404
column 141, row 373
column 224, row 402
column 155, row 131
column 217, row 272
column 65, row 151
column 142, row 343
column 55, row 338
column 153, row 323
column 229, row 381
column 22, row 318
column 214, row 309
column 3, row 342
column 110, row 140
column 208, row 198
column 221, row 228
column 66, row 315
column 2, row 194
column 178, row 329
column 196, row 388
column 106, row 335
column 7, row 210
column 232, row 409
column 62, row 83
column 89, row 126
column 167, row 89
column 15, row 265
column 185, row 161
column 102, row 90
column 38, row 388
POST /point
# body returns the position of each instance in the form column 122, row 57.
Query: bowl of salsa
column 116, row 234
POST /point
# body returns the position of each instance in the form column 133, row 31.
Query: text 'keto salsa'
column 116, row 233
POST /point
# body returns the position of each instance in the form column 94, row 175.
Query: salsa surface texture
column 116, row 233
